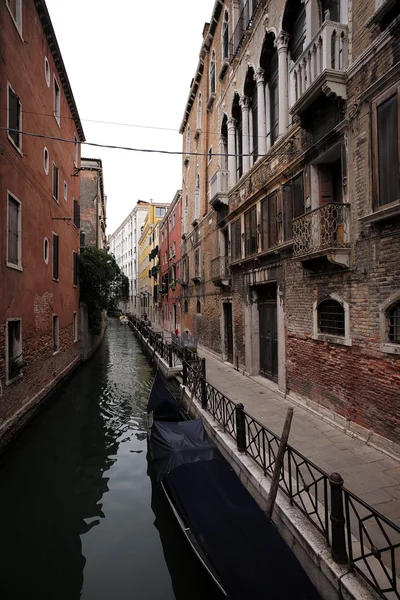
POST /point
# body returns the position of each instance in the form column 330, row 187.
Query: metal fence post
column 338, row 550
column 203, row 393
column 170, row 357
column 203, row 367
column 240, row 428
column 184, row 366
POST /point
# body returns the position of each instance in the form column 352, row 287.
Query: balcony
column 219, row 185
column 321, row 69
column 220, row 271
column 323, row 232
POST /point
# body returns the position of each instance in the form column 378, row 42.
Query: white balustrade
column 219, row 184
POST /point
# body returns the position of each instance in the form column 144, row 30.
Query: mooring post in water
column 279, row 462
column 240, row 428
column 338, row 550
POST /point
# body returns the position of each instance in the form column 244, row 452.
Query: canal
column 79, row 517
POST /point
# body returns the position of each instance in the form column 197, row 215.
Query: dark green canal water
column 79, row 517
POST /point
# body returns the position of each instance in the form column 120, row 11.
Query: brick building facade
column 170, row 267
column 39, row 213
column 291, row 201
column 93, row 204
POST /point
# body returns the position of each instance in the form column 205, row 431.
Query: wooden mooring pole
column 278, row 463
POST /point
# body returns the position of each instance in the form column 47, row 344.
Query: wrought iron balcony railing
column 219, row 185
column 322, row 230
column 321, row 66
column 244, row 23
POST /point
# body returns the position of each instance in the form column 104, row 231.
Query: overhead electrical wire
column 144, row 150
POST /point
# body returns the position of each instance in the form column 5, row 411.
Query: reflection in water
column 75, row 499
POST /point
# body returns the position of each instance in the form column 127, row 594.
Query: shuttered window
column 269, row 222
column 14, row 117
column 75, row 268
column 250, row 230
column 236, row 240
column 13, row 231
column 293, row 203
column 55, row 182
column 55, row 256
column 387, row 160
column 77, row 214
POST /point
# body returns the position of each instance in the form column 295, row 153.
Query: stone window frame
column 11, row 265
column 47, row 74
column 17, row 20
column 386, row 346
column 18, row 147
column 325, row 337
column 46, row 250
column 212, row 74
column 46, row 160
column 224, row 30
column 57, row 101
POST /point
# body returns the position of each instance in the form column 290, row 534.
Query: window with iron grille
column 236, row 240
column 14, row 118
column 394, row 324
column 268, row 222
column 55, row 256
column 250, row 231
column 331, row 318
column 77, row 214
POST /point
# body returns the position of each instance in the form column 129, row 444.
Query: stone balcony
column 220, row 271
column 219, row 186
column 323, row 232
column 321, row 69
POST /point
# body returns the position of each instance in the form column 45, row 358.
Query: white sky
column 131, row 62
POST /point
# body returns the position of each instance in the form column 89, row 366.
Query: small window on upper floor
column 213, row 74
column 65, row 190
column 14, row 233
column 394, row 323
column 55, row 182
column 15, row 9
column 225, row 36
column 199, row 110
column 160, row 211
column 198, row 307
column 186, row 307
column 56, row 101
column 209, row 154
column 14, row 119
column 46, row 161
column 47, row 71
column 331, row 318
column 188, row 140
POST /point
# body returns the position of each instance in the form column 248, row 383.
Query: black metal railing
column 358, row 534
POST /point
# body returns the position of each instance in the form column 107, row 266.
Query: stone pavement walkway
column 369, row 473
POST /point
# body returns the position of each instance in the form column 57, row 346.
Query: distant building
column 124, row 245
column 93, row 204
column 39, row 213
column 170, row 266
column 146, row 245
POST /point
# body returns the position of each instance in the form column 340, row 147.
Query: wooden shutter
column 287, row 211
column 77, row 214
column 325, row 184
column 272, row 220
column 55, row 256
column 298, row 196
column 388, row 153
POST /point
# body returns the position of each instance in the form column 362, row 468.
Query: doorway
column 267, row 309
column 228, row 323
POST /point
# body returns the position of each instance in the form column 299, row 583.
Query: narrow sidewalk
column 367, row 472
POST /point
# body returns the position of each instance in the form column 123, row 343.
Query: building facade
column 39, row 213
column 124, row 245
column 147, row 258
column 290, row 193
column 93, row 204
column 170, row 269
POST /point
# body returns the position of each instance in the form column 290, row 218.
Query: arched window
column 197, row 197
column 199, row 109
column 186, row 306
column 331, row 318
column 198, row 307
column 269, row 62
column 225, row 36
column 237, row 114
column 394, row 323
column 212, row 74
column 224, row 143
column 250, row 90
column 294, row 23
column 188, row 140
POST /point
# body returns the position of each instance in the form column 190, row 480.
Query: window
column 75, row 327
column 250, row 231
column 186, row 307
column 197, row 197
column 331, row 318
column 56, row 334
column 47, row 71
column 76, row 150
column 394, row 324
column 236, row 240
column 212, row 74
column 188, row 140
column 14, row 118
column 82, row 238
column 293, row 203
column 199, row 109
column 197, row 262
column 15, row 8
column 75, row 268
column 269, row 222
column 209, row 154
column 56, row 101
column 55, row 256
column 55, row 182
column 174, row 248
column 77, row 214
column 46, row 161
column 14, row 233
column 14, row 349
column 386, row 163
column 65, row 191
column 274, row 98
column 160, row 211
column 225, row 36
column 46, row 250
column 198, row 307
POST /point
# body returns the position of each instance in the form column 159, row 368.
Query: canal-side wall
column 333, row 581
column 89, row 341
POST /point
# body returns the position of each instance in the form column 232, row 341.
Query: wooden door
column 228, row 331
column 267, row 308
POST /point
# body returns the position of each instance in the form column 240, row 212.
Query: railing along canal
column 358, row 534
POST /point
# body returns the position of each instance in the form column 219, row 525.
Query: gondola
column 237, row 544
